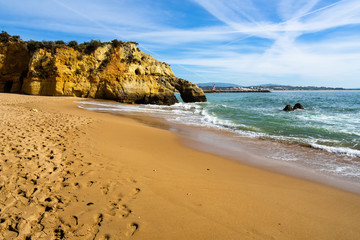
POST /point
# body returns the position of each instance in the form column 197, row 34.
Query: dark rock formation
column 288, row 108
column 118, row 71
column 298, row 106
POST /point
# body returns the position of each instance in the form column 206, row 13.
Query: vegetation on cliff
column 86, row 47
column 113, row 70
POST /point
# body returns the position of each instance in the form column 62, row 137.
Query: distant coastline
column 237, row 91
column 228, row 87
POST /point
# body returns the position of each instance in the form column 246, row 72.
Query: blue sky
column 247, row 42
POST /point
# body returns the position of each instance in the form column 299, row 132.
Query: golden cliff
column 117, row 71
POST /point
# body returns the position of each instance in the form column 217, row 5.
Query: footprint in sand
column 59, row 233
column 132, row 228
column 125, row 211
column 105, row 189
column 90, row 183
column 135, row 192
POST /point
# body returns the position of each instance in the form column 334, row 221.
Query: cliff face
column 14, row 60
column 122, row 73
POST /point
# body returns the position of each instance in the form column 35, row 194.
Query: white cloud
column 332, row 60
column 232, row 12
column 290, row 9
column 230, row 45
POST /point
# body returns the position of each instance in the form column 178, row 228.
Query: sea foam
column 328, row 124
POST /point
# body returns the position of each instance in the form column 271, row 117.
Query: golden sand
column 68, row 173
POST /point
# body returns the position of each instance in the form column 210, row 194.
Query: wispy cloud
column 289, row 56
column 293, row 9
column 244, row 40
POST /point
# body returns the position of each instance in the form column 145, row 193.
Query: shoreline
column 128, row 180
column 230, row 145
column 243, row 151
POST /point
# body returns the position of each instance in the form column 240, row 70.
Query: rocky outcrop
column 118, row 72
column 288, row 108
column 298, row 106
column 189, row 92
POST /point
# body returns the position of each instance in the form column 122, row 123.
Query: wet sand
column 67, row 173
column 269, row 155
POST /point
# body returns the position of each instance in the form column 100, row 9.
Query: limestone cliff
column 117, row 71
column 14, row 60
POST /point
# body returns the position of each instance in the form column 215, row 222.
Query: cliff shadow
column 7, row 86
column 14, row 68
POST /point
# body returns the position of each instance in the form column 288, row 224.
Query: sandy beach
column 68, row 173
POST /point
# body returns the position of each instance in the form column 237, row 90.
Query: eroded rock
column 14, row 60
column 298, row 106
column 120, row 72
column 189, row 92
column 288, row 108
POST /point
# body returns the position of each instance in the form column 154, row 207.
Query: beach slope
column 68, row 173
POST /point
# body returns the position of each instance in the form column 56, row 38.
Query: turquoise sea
column 330, row 122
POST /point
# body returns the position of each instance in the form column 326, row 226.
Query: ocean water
column 330, row 122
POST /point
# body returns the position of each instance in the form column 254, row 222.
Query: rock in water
column 288, row 108
column 298, row 106
column 117, row 71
